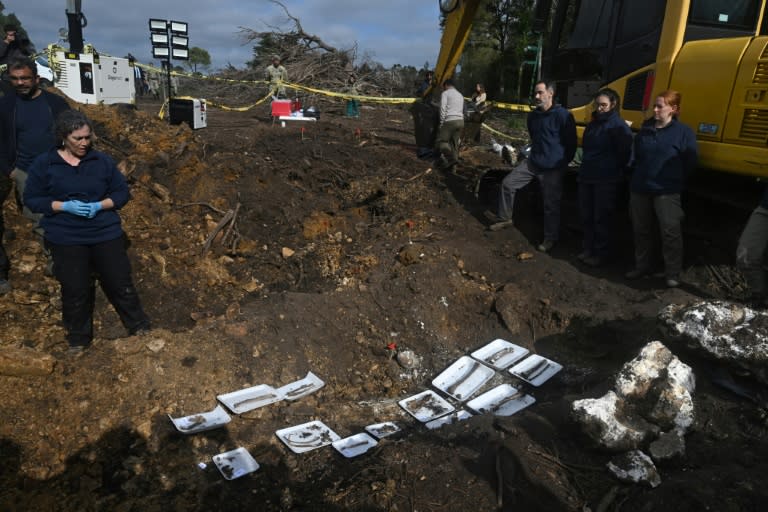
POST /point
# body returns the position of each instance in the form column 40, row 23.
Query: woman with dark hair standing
column 79, row 190
column 606, row 148
column 665, row 155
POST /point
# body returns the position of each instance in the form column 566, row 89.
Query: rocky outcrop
column 728, row 332
column 652, row 403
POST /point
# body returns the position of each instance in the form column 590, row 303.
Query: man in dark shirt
column 26, row 130
column 553, row 144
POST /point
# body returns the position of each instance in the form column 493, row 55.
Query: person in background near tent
column 479, row 97
column 606, row 145
column 429, row 77
column 138, row 76
column 477, row 111
column 79, row 191
column 353, row 105
column 26, row 130
column 277, row 75
column 552, row 131
column 665, row 154
column 751, row 253
column 451, row 125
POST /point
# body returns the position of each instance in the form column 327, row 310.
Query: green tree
column 198, row 57
column 495, row 50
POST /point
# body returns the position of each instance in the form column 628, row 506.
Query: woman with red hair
column 665, row 154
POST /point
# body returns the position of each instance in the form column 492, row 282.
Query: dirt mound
column 262, row 253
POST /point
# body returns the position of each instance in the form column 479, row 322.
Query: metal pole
column 170, row 46
column 168, row 71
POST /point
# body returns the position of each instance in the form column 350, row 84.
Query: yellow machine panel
column 704, row 72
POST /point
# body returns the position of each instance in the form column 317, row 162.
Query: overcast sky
column 391, row 32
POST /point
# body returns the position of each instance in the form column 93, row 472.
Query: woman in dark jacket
column 606, row 147
column 665, row 155
column 79, row 190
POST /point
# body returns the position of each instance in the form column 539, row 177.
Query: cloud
column 393, row 32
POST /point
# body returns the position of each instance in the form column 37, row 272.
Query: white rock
column 674, row 407
column 635, row 467
column 726, row 331
column 653, row 393
column 637, row 376
column 599, row 421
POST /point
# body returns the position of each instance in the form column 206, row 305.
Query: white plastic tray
column 247, row 399
column 202, row 421
column 535, row 370
column 355, row 445
column 235, row 463
column 500, row 354
column 463, row 378
column 426, row 406
column 503, row 400
column 300, row 388
column 307, row 436
column 449, row 419
column 382, row 430
column 297, row 118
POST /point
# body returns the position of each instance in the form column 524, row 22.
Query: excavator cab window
column 599, row 41
column 735, row 15
column 711, row 19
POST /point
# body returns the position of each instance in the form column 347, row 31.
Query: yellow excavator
column 714, row 52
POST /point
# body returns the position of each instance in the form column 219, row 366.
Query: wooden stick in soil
column 223, row 222
column 231, row 227
column 203, row 204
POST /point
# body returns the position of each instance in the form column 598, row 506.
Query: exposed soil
column 344, row 243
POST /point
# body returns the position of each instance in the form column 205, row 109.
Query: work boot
column 5, row 286
column 546, row 245
column 496, row 222
column 500, row 225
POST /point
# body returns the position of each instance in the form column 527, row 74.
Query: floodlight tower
column 76, row 21
column 170, row 39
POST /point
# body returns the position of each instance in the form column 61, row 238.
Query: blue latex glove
column 93, row 209
column 76, row 207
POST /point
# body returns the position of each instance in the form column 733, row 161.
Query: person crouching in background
column 79, row 191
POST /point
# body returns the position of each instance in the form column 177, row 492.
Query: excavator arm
column 459, row 15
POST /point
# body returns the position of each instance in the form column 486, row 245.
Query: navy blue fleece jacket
column 664, row 158
column 553, row 138
column 56, row 104
column 606, row 148
column 96, row 178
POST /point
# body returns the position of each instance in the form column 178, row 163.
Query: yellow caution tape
column 512, row 106
column 496, row 132
column 52, row 49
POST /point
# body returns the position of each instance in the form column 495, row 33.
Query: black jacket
column 664, row 158
column 607, row 146
column 57, row 105
column 553, row 138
